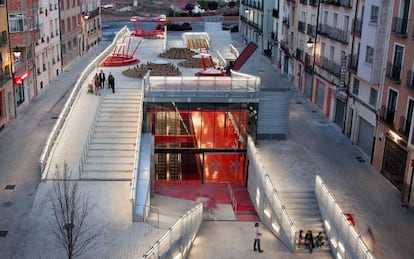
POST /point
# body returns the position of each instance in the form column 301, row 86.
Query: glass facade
column 199, row 141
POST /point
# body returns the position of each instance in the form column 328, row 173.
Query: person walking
column 257, row 234
column 111, row 82
column 97, row 84
column 102, row 78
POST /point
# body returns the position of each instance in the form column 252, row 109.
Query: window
column 63, row 49
column 73, row 22
column 355, row 88
column 69, row 45
column 63, row 26
column 374, row 14
column 68, row 24
column 373, row 97
column 17, row 22
column 74, row 43
column 369, row 57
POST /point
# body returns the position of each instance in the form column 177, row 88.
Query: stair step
column 116, row 124
column 119, row 176
column 114, row 130
column 115, row 135
column 124, row 140
column 112, row 146
column 100, row 167
column 111, row 153
column 110, row 160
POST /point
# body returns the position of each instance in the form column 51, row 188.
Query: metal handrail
column 232, row 197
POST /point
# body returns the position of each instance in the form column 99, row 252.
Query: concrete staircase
column 304, row 210
column 110, row 155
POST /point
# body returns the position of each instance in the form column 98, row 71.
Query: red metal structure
column 121, row 55
column 140, row 31
column 209, row 71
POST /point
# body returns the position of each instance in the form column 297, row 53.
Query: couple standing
column 111, row 80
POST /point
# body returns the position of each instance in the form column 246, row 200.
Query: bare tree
column 70, row 212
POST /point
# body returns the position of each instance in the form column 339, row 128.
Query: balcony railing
column 343, row 3
column 274, row 36
column 387, row 115
column 302, row 26
column 334, row 33
column 328, row 65
column 284, row 45
column 399, row 26
column 311, row 30
column 393, row 72
column 254, row 4
column 286, row 21
column 353, row 63
column 356, row 27
column 299, row 54
column 314, row 3
column 275, row 13
column 404, row 126
column 303, row 1
column 253, row 24
column 409, row 83
column 4, row 75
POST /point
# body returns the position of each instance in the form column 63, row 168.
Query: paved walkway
column 314, row 146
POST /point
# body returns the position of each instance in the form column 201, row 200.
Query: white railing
column 174, row 86
column 44, row 157
column 267, row 202
column 232, row 198
column 234, row 51
column 136, row 167
column 177, row 241
column 344, row 241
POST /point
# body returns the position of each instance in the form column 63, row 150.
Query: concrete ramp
column 245, row 55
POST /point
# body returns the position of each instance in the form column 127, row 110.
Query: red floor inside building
column 220, row 169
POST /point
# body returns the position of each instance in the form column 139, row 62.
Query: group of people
column 99, row 82
column 309, row 241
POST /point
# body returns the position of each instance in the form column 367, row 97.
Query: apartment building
column 91, row 24
column 370, row 33
column 70, row 31
column 256, row 23
column 394, row 148
column 7, row 103
column 47, row 47
column 23, row 33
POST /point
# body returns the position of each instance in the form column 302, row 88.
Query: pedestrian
column 257, row 234
column 309, row 241
column 111, row 82
column 97, row 84
column 102, row 78
column 300, row 238
column 320, row 240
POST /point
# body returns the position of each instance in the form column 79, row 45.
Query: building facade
column 70, row 31
column 24, row 32
column 91, row 24
column 47, row 48
column 7, row 103
column 394, row 148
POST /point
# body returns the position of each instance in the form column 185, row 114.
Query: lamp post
column 316, row 37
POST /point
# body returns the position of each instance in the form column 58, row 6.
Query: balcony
column 253, row 4
column 252, row 24
column 393, row 72
column 404, row 127
column 299, row 54
column 4, row 75
column 3, row 39
column 343, row 3
column 303, row 2
column 44, row 67
column 356, row 27
column 336, row 34
column 274, row 36
column 275, row 13
column 353, row 63
column 387, row 116
column 311, row 30
column 302, row 26
column 284, row 45
column 409, row 83
column 38, row 71
column 314, row 3
column 328, row 65
column 399, row 26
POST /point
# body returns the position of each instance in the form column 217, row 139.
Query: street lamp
column 16, row 52
column 310, row 43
